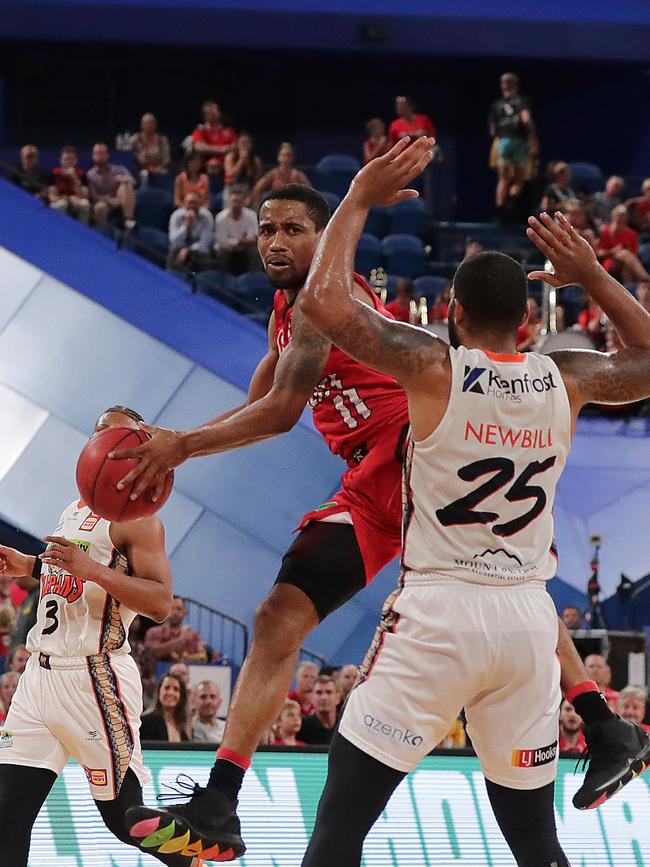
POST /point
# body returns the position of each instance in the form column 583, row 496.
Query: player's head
column 207, row 699
column 490, row 297
column 570, row 721
column 118, row 416
column 509, row 83
column 291, row 222
column 325, row 696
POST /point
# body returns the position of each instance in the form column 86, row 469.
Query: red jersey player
column 363, row 417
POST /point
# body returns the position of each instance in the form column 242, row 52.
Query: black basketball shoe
column 617, row 752
column 206, row 827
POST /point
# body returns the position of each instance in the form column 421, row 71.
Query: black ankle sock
column 592, row 707
column 227, row 777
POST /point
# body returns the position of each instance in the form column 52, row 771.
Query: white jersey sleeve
column 79, row 618
column 479, row 490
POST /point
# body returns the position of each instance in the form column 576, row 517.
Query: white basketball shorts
column 88, row 708
column 445, row 644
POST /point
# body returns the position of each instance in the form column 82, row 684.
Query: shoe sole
column 162, row 832
column 637, row 766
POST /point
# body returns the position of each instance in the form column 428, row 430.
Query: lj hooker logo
column 534, row 758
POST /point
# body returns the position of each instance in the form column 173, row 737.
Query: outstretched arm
column 328, row 299
column 595, row 377
column 275, row 411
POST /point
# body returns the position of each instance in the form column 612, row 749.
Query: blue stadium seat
column 429, row 286
column 586, row 178
column 336, row 171
column 219, row 285
column 256, row 290
column 152, row 244
column 368, row 255
column 153, row 208
column 407, row 218
column 333, row 200
column 644, row 255
column 404, row 255
column 161, row 181
column 377, row 222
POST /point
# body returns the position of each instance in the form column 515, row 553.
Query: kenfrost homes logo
column 483, row 380
column 534, row 758
column 402, row 736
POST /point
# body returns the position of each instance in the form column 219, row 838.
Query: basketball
column 97, row 477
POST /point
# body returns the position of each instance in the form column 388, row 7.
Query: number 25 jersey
column 479, row 490
column 75, row 617
column 352, row 405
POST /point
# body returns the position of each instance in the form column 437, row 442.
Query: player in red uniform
column 363, row 417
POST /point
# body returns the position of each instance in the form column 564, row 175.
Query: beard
column 454, row 339
column 291, row 280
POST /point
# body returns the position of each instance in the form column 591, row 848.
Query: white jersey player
column 81, row 693
column 471, row 625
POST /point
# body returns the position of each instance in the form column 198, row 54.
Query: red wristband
column 236, row 758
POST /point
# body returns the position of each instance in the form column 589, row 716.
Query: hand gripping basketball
column 156, row 457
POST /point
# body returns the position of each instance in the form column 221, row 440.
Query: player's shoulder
column 149, row 530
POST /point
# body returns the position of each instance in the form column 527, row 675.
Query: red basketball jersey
column 352, row 404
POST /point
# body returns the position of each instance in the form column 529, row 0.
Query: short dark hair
column 124, row 410
column 317, row 205
column 492, row 287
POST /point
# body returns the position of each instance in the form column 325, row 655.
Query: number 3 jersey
column 75, row 617
column 352, row 405
column 479, row 490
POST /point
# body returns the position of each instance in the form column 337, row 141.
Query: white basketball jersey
column 75, row 617
column 479, row 490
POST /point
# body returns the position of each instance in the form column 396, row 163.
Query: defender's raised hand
column 573, row 258
column 382, row 181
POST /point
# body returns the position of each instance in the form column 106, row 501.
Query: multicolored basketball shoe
column 207, row 827
column 617, row 752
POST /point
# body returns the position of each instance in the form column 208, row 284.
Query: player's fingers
column 554, row 228
column 412, row 157
column 395, row 151
column 58, row 540
column 135, row 452
column 133, row 474
column 403, row 195
column 143, row 483
column 539, row 242
column 567, row 227
column 544, row 232
column 160, row 486
column 545, row 277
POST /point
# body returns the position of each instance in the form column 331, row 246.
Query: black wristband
column 36, row 570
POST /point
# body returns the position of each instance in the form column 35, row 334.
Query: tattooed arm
column 394, row 348
column 596, row 377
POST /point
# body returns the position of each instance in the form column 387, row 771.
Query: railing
column 310, row 656
column 220, row 631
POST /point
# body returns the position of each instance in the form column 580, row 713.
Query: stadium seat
column 429, row 286
column 161, row 181
column 152, row 244
column 377, row 222
column 586, row 178
column 368, row 255
column 404, row 255
column 219, row 285
column 336, row 171
column 256, row 290
column 153, row 208
column 333, row 200
column 407, row 218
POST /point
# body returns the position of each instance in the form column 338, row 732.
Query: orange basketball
column 97, row 477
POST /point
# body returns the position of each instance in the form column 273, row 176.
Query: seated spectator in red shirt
column 242, row 167
column 642, row 207
column 572, row 739
column 68, row 192
column 631, row 705
column 528, row 334
column 212, row 139
column 288, row 724
column 403, row 306
column 408, row 123
column 111, row 189
column 175, row 641
column 284, row 173
column 320, row 726
column 27, row 175
column 440, row 307
column 8, row 686
column 618, row 246
column 150, row 148
column 193, row 179
column 377, row 142
column 306, row 675
column 599, row 671
column 592, row 321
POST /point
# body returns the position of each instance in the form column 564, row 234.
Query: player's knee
column 279, row 628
